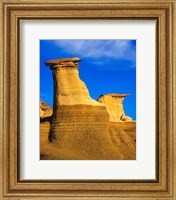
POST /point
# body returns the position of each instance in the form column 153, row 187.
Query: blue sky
column 107, row 66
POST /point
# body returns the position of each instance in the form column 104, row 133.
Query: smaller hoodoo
column 114, row 105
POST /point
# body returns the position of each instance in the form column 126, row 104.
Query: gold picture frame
column 163, row 11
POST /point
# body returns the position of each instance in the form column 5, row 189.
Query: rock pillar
column 114, row 105
column 80, row 125
column 68, row 88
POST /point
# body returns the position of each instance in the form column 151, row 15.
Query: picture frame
column 163, row 187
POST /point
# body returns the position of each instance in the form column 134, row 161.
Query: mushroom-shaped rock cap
column 63, row 62
column 115, row 95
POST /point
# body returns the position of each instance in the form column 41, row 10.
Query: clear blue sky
column 107, row 66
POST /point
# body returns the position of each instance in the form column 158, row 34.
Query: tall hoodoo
column 114, row 105
column 69, row 89
column 80, row 125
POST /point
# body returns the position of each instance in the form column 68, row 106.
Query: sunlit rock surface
column 69, row 89
column 123, row 135
column 114, row 105
column 45, row 119
column 80, row 127
column 45, row 110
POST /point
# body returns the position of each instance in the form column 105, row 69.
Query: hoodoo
column 114, row 105
column 68, row 87
column 79, row 125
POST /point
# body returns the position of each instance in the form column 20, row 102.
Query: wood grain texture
column 11, row 13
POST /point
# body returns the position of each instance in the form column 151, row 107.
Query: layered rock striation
column 79, row 125
column 114, row 105
column 123, row 136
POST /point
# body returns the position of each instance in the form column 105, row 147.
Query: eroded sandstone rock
column 69, row 89
column 71, row 62
column 45, row 119
column 79, row 125
column 114, row 105
column 45, row 110
column 124, row 138
column 125, row 118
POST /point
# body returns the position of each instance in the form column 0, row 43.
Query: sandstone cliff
column 80, row 127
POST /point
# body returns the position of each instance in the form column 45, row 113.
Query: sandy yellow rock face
column 69, row 88
column 124, row 138
column 114, row 105
column 80, row 127
column 45, row 119
column 83, row 130
column 45, row 110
